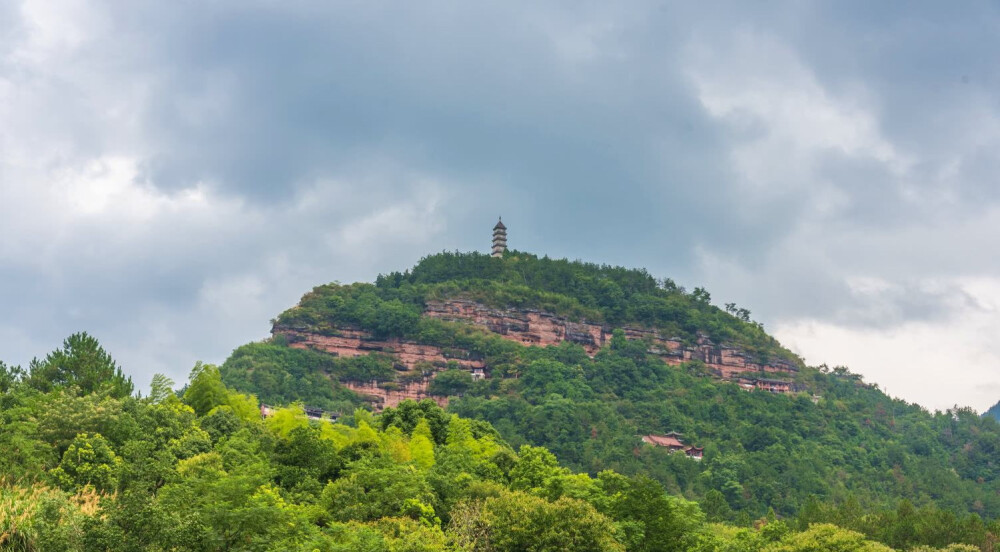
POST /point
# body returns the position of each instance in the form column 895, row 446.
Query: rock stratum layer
column 418, row 362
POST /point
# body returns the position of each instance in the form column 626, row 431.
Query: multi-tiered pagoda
column 499, row 239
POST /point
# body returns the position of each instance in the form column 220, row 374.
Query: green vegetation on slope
column 96, row 470
column 994, row 411
column 297, row 375
column 601, row 294
column 842, row 442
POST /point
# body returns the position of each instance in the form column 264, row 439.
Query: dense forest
column 545, row 454
column 89, row 465
column 840, row 443
column 609, row 295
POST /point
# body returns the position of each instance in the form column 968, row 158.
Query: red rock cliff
column 418, row 363
column 532, row 327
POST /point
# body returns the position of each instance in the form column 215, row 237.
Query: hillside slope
column 994, row 411
column 587, row 360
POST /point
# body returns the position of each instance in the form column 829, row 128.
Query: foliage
column 83, row 363
column 842, row 467
column 158, row 474
column 515, row 522
column 994, row 411
column 161, row 389
column 827, row 537
column 577, row 290
column 450, row 382
column 280, row 374
column 89, row 460
column 841, row 442
column 206, row 392
column 161, row 474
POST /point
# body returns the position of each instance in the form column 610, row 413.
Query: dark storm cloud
column 481, row 95
column 233, row 154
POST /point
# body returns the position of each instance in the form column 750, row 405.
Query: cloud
column 936, row 360
column 171, row 178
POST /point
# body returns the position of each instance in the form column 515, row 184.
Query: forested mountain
column 830, row 441
column 541, row 384
column 87, row 466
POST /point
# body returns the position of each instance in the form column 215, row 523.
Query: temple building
column 672, row 442
column 771, row 385
column 499, row 239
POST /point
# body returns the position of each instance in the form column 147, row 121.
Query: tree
column 715, row 506
column 516, row 522
column 206, row 391
column 9, row 376
column 668, row 523
column 88, row 461
column 701, row 295
column 422, row 445
column 829, row 538
column 994, row 411
column 450, row 382
column 160, row 389
column 83, row 363
column 408, row 414
column 534, row 466
column 375, row 488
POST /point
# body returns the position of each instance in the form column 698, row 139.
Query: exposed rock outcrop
column 418, row 362
column 532, row 327
column 353, row 342
column 388, row 395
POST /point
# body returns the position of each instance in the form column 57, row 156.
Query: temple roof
column 499, row 226
column 663, row 441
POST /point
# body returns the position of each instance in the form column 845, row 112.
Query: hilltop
column 588, row 408
column 595, row 362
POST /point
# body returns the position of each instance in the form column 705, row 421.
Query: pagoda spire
column 499, row 239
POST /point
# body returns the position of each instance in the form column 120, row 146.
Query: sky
column 175, row 174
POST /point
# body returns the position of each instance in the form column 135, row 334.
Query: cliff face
column 532, row 327
column 390, row 395
column 350, row 343
column 417, row 362
column 526, row 326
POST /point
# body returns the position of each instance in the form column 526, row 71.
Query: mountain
column 678, row 426
column 599, row 364
column 994, row 411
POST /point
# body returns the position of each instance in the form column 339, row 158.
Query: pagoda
column 499, row 239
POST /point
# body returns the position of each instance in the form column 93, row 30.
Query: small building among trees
column 672, row 442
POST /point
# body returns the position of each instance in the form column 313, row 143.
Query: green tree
column 518, row 522
column 534, row 466
column 205, row 389
column 83, row 363
column 160, row 389
column 827, row 538
column 9, row 376
column 373, row 489
column 422, row 445
column 408, row 414
column 89, row 460
column 450, row 382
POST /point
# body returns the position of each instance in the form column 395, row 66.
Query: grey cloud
column 317, row 129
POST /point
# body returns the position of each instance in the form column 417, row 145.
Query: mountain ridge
column 591, row 398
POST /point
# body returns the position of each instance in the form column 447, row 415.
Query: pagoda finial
column 499, row 238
